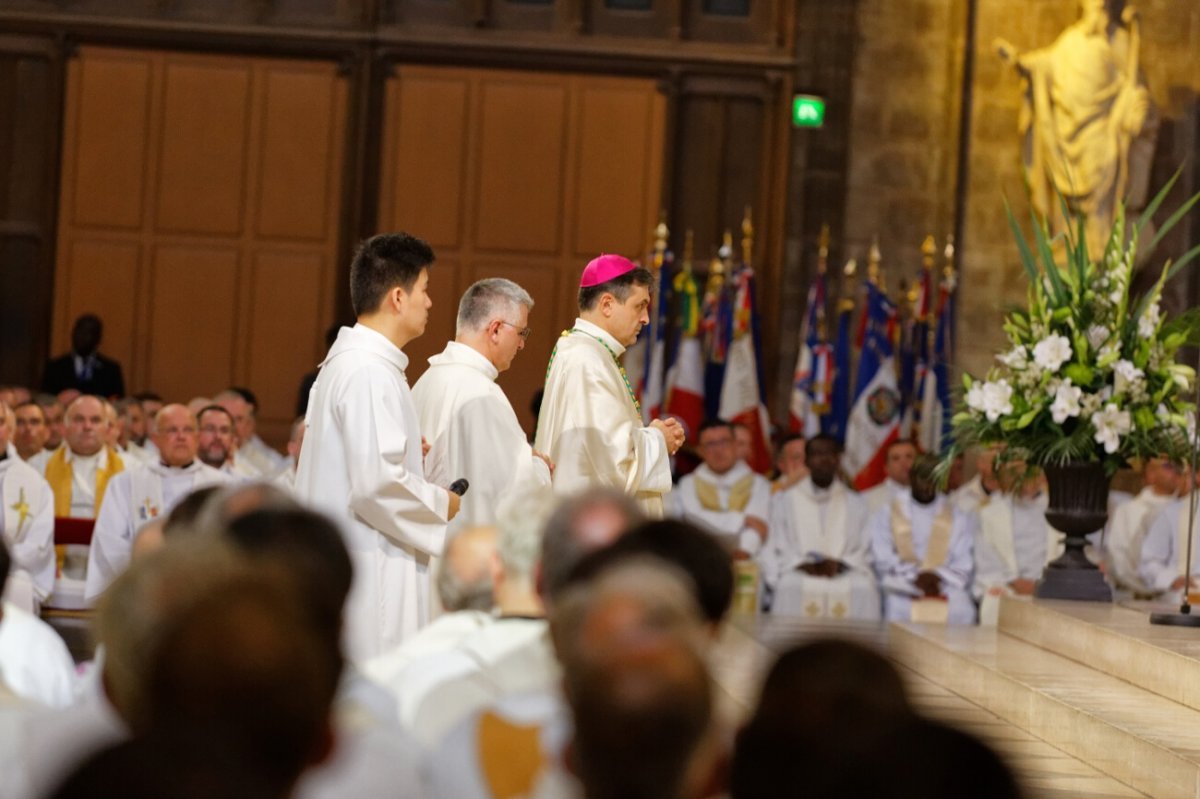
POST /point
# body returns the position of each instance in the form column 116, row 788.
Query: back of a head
column 244, row 663
column 635, row 680
column 824, row 706
column 233, row 501
column 692, row 550
column 307, row 549
column 581, row 524
column 181, row 520
column 521, row 520
column 182, row 762
column 464, row 578
column 142, row 604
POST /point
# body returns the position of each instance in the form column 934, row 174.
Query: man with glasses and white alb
column 466, row 419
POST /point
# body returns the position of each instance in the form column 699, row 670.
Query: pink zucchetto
column 604, row 268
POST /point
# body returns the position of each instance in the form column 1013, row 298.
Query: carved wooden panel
column 538, row 172
column 206, row 233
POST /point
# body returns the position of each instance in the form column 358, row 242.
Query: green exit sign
column 808, row 111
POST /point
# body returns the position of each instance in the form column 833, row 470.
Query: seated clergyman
column 817, row 561
column 923, row 550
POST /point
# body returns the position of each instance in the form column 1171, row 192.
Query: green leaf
column 1027, row 418
column 1143, row 417
column 1187, row 257
column 1061, row 296
column 1152, row 208
column 1027, row 259
column 1079, row 374
column 1061, row 314
column 1179, row 214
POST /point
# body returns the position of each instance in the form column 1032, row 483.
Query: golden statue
column 1087, row 121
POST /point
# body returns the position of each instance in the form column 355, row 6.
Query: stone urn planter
column 1078, row 507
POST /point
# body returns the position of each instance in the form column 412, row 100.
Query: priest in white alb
column 361, row 460
column 1128, row 525
column 1165, row 545
column 817, row 561
column 26, row 526
column 1015, row 541
column 723, row 495
column 590, row 423
column 922, row 547
column 137, row 496
column 897, row 465
column 466, row 417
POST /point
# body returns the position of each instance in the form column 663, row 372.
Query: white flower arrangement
column 1090, row 373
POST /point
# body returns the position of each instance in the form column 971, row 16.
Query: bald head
column 87, row 425
column 465, row 579
column 175, row 435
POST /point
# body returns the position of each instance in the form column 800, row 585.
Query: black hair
column 385, row 262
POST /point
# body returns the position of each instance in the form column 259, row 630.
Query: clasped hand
column 672, row 431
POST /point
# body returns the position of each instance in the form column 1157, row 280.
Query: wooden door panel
column 298, row 153
column 192, row 320
column 522, row 131
column 202, row 175
column 216, row 235
column 108, row 135
column 425, row 157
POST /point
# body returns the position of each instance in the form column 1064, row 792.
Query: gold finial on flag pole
column 747, row 237
column 849, row 275
column 661, row 234
column 948, row 254
column 874, row 272
column 823, row 250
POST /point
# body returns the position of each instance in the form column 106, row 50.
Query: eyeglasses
column 523, row 332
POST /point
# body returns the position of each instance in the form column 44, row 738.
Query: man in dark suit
column 84, row 368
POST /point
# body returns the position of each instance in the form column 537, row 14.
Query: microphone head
column 460, row 486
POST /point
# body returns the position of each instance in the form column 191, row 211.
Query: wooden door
column 199, row 216
column 524, row 175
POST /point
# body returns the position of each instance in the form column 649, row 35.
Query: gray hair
column 487, row 299
column 520, row 520
column 563, row 547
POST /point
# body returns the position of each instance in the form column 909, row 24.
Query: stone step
column 1137, row 737
column 1118, row 640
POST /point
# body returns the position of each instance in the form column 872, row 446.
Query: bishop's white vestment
column 27, row 527
column 473, row 432
column 134, row 498
column 1014, row 542
column 908, row 538
column 590, row 425
column 361, row 464
column 720, row 503
column 810, row 524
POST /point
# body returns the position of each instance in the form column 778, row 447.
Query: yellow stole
column 708, row 495
column 939, row 537
column 60, row 476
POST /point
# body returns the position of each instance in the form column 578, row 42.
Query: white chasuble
column 810, row 524
column 473, row 432
column 27, row 526
column 720, row 503
column 591, row 427
column 133, row 498
column 1127, row 530
column 361, row 464
column 908, row 538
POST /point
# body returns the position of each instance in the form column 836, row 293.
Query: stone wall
column 904, row 131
